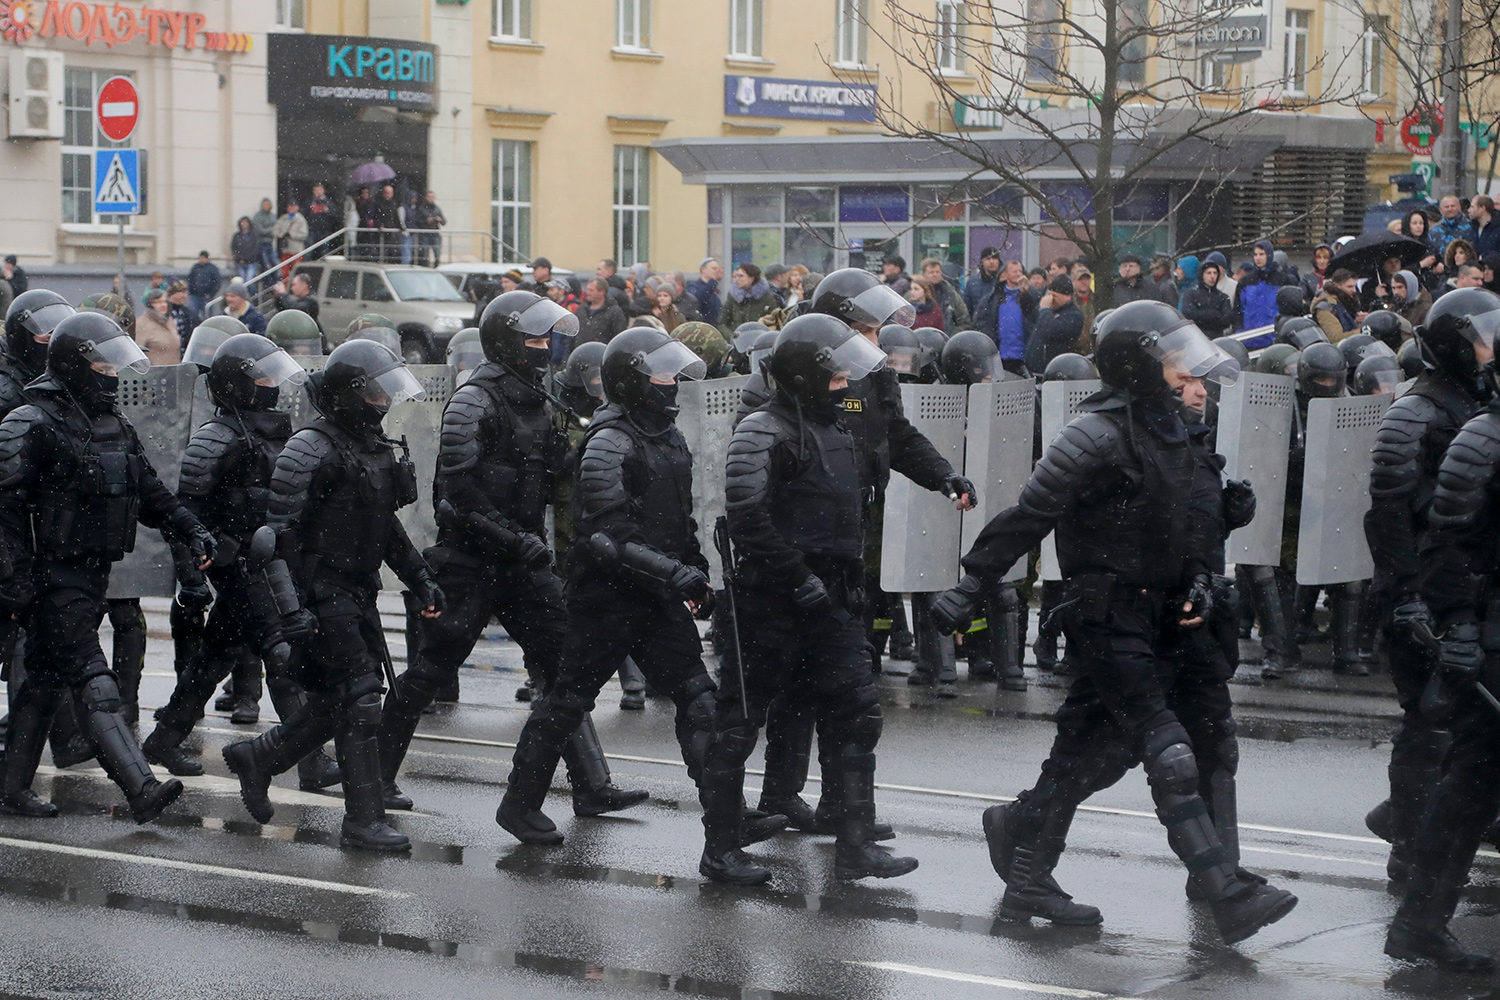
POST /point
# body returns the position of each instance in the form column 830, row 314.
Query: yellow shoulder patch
column 854, row 405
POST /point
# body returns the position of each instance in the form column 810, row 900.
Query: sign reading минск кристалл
column 351, row 70
column 766, row 97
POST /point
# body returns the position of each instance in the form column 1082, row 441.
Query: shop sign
column 766, row 97
column 1420, row 129
column 1234, row 30
column 988, row 112
column 113, row 24
column 311, row 71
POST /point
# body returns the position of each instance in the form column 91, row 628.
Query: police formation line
column 1131, row 496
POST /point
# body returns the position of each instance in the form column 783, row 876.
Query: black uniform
column 500, row 452
column 74, row 481
column 1414, row 435
column 634, row 489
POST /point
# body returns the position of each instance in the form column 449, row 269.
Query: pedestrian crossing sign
column 117, row 182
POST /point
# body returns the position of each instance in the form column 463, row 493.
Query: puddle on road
column 322, row 930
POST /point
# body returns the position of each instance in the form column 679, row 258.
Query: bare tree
column 1104, row 93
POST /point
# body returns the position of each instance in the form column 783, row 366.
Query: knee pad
column 861, row 733
column 699, row 712
column 365, row 685
column 424, row 677
column 734, row 744
column 697, row 686
column 1174, row 770
column 100, row 693
column 364, row 711
column 1164, row 730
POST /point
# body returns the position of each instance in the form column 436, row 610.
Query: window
column 372, row 287
column 633, row 24
column 1042, row 38
column 341, row 284
column 950, row 24
column 852, row 34
column 510, row 198
column 1372, row 55
column 1215, row 74
column 512, row 20
column 1298, row 27
column 291, row 15
column 1135, row 16
column 314, row 276
column 745, row 18
column 80, row 140
column 632, row 204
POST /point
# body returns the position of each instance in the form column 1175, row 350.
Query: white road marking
column 1004, row 984
column 189, row 866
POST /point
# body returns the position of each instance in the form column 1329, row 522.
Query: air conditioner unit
column 36, row 94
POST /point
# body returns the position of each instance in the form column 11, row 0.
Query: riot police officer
column 334, row 495
column 74, row 480
column 499, row 453
column 225, row 481
column 1415, row 432
column 637, row 577
column 1121, row 488
column 1458, row 579
column 794, row 495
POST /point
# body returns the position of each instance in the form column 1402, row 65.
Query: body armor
column 348, row 525
column 87, row 497
column 653, row 480
column 227, row 467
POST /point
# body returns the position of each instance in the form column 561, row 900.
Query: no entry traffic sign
column 117, row 108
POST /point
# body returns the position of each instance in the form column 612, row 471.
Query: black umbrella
column 1364, row 255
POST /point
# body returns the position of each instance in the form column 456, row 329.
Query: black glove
column 1239, row 503
column 201, row 544
column 531, row 550
column 953, row 610
column 430, row 595
column 1459, row 656
column 1201, row 596
column 811, row 595
column 956, row 486
column 194, row 595
column 705, row 609
column 299, row 625
column 1411, row 612
column 689, row 582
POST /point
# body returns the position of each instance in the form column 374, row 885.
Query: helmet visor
column 280, row 368
column 905, row 360
column 1381, row 380
column 1483, row 327
column 203, row 345
column 671, row 360
column 746, row 336
column 856, row 356
column 986, row 369
column 758, row 356
column 1188, row 351
column 43, row 321
column 117, row 354
column 466, row 356
column 543, row 318
column 394, row 386
column 880, row 306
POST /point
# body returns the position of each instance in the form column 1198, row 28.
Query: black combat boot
column 164, row 749
column 247, row 688
column 1419, row 933
column 1282, row 653
column 403, row 707
column 365, row 826
column 1005, row 639
column 1048, row 626
column 721, row 793
column 31, row 711
column 316, row 770
column 632, row 686
column 789, row 736
column 1026, row 858
column 855, row 854
column 520, row 812
column 129, row 655
column 1347, row 600
column 901, row 644
column 95, row 701
column 255, row 762
column 594, row 794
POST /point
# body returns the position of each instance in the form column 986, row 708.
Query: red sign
column 113, row 24
column 1421, row 128
column 117, row 108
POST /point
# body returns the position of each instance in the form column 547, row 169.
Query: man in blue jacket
column 979, row 284
column 203, row 283
column 705, row 291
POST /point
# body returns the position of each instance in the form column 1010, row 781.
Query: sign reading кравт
column 311, row 71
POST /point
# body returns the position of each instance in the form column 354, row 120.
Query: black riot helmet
column 859, row 298
column 1301, row 332
column 969, row 358
column 762, row 348
column 1291, row 300
column 1385, row 326
column 811, row 350
column 903, row 351
column 933, row 341
column 1134, row 344
column 90, row 338
column 1410, row 359
column 1381, row 373
column 637, row 355
column 362, row 380
column 745, row 336
column 1359, row 347
column 1456, row 324
column 580, row 384
column 1069, row 368
column 248, row 371
column 465, row 354
column 516, row 317
column 1274, row 359
column 1321, row 372
column 29, row 324
column 1236, row 349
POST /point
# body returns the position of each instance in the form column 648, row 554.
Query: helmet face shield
column 671, row 360
column 904, row 360
column 856, row 356
column 398, row 385
column 117, row 355
column 1482, row 328
column 43, row 321
column 880, row 306
column 279, row 368
column 203, row 345
column 1188, row 351
column 746, row 335
column 543, row 318
column 466, row 356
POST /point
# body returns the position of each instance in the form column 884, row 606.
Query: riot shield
column 706, row 419
column 919, row 546
column 1331, row 546
column 1060, row 402
column 1255, row 431
column 419, row 423
column 997, row 454
column 160, row 406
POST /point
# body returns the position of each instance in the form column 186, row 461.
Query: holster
column 1090, row 596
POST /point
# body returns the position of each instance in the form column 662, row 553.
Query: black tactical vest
column 348, row 525
column 88, row 493
column 868, row 408
column 659, row 481
column 522, row 451
column 820, row 512
column 243, row 490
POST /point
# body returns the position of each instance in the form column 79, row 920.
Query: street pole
column 120, row 246
column 1453, row 149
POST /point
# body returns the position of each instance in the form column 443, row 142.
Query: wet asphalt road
column 206, row 903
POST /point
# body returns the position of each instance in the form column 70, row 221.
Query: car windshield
column 422, row 286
